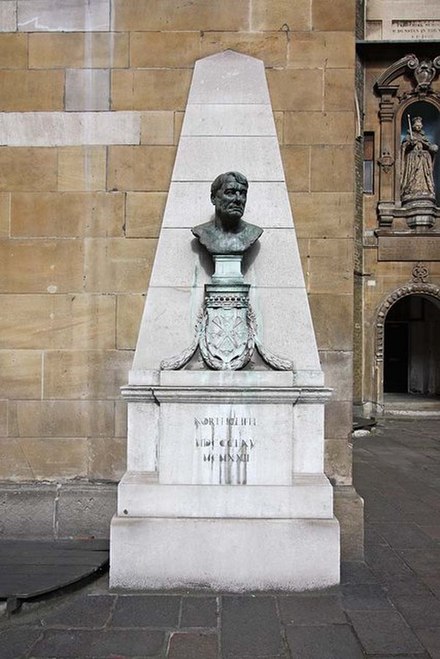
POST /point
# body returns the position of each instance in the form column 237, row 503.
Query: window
column 368, row 170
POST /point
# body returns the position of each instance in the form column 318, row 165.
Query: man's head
column 228, row 194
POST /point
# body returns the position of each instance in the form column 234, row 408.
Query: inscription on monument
column 423, row 29
column 227, row 444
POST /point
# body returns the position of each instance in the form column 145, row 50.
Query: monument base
column 224, row 554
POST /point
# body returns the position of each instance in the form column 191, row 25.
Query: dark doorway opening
column 412, row 346
column 396, row 357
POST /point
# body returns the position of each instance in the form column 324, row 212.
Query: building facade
column 91, row 105
column 396, row 288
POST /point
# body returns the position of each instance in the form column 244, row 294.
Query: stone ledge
column 56, row 510
column 309, row 496
column 29, row 510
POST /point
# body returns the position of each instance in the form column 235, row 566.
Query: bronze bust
column 227, row 232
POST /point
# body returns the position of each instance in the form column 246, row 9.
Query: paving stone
column 404, row 536
column 250, row 626
column 372, row 537
column 378, row 509
column 420, row 611
column 386, row 563
column 431, row 640
column 266, row 656
column 420, row 513
column 421, row 655
column 425, row 563
column 85, row 611
column 193, row 646
column 356, row 572
column 432, row 531
column 310, row 610
column 383, row 631
column 432, row 582
column 97, row 644
column 364, row 597
column 327, row 642
column 146, row 611
column 17, row 641
column 199, row 612
column 410, row 585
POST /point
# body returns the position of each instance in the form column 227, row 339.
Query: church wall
column 81, row 203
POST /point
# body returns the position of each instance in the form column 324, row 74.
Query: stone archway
column 415, row 288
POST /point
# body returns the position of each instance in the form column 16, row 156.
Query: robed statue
column 417, row 161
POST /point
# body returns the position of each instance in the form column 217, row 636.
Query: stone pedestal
column 225, row 486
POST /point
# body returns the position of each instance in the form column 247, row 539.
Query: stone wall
column 91, row 99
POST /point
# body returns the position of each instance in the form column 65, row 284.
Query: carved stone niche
column 409, row 174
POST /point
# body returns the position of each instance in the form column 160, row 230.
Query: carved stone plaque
column 226, row 444
column 409, row 248
column 402, row 20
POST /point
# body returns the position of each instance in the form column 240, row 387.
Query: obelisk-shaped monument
column 225, row 485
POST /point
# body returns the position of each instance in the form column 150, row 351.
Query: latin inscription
column 225, row 442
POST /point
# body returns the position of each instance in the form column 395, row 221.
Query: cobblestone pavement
column 387, row 607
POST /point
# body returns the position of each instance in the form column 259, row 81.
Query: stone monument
column 224, row 485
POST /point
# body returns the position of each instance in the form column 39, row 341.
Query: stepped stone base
column 224, row 554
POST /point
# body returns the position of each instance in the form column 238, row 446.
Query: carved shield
column 227, row 340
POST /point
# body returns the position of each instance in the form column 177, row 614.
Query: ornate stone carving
column 227, row 338
column 420, row 273
column 226, row 329
column 178, row 361
column 412, row 197
column 424, row 73
column 395, row 70
column 386, row 161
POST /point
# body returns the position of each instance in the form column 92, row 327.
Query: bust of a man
column 227, row 232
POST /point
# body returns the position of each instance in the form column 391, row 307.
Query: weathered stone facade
column 395, row 245
column 91, row 100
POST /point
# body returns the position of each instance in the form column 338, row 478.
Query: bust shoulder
column 218, row 241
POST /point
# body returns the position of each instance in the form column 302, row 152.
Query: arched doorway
column 407, row 352
column 412, row 347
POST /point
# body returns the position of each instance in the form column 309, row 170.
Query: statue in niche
column 227, row 232
column 417, row 159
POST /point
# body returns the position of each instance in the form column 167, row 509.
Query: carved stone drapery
column 226, row 332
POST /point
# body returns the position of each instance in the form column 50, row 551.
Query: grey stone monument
column 224, row 485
